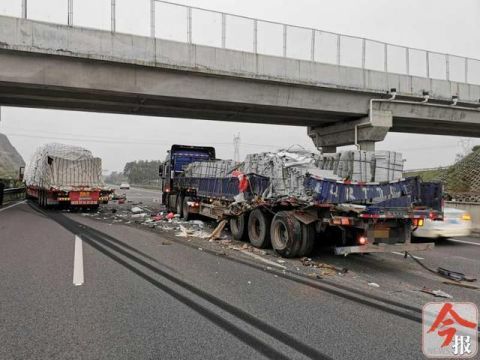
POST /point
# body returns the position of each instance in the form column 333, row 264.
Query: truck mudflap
column 383, row 248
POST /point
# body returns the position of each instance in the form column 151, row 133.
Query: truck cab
column 178, row 157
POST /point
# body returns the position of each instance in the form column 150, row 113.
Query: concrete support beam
column 366, row 145
column 328, row 149
column 363, row 132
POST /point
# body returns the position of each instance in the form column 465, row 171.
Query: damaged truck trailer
column 287, row 201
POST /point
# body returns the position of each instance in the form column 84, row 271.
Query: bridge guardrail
column 12, row 194
column 172, row 21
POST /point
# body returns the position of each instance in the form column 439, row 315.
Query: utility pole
column 236, row 147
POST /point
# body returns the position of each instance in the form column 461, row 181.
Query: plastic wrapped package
column 64, row 167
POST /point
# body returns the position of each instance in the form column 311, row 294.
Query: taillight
column 342, row 220
column 167, row 190
column 466, row 217
column 362, row 240
column 418, row 222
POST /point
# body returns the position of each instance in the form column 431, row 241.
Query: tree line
column 140, row 172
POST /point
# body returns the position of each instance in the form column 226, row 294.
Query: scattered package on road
column 437, row 293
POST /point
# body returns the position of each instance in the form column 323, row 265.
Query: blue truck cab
column 178, row 157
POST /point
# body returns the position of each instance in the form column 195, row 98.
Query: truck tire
column 308, row 239
column 238, row 227
column 286, row 234
column 179, row 205
column 42, row 199
column 259, row 228
column 169, row 205
column 186, row 215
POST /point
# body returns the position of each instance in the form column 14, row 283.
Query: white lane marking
column 78, row 262
column 10, row 206
column 464, row 242
column 403, row 254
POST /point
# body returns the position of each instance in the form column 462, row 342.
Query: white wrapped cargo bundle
column 388, row 166
column 361, row 165
column 286, row 170
column 364, row 166
column 212, row 168
column 64, row 167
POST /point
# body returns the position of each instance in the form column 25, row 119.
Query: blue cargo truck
column 358, row 217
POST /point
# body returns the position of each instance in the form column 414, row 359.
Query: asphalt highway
column 73, row 287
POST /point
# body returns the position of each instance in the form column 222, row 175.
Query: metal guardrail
column 426, row 169
column 196, row 25
column 12, row 194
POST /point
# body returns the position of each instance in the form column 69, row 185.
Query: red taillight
column 431, row 215
column 341, row 220
column 362, row 240
column 418, row 222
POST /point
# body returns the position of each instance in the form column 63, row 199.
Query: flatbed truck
column 335, row 209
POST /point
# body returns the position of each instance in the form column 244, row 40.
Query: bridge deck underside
column 70, row 83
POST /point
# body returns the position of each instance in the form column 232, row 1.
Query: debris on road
column 455, row 276
column 327, row 268
column 138, row 216
column 372, row 284
column 119, row 197
column 436, row 293
column 260, row 258
column 136, row 210
column 218, row 230
column 186, row 232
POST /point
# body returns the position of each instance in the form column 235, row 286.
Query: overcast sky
column 439, row 25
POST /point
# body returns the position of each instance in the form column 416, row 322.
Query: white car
column 124, row 186
column 456, row 222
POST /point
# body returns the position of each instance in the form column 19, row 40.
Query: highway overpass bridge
column 59, row 66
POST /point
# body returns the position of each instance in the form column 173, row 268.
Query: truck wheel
column 238, row 227
column 42, row 200
column 169, row 206
column 308, row 239
column 259, row 228
column 179, row 205
column 286, row 234
column 186, row 215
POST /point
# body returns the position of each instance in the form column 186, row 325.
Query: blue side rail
column 222, row 188
column 403, row 193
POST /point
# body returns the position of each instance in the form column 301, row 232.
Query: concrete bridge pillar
column 364, row 132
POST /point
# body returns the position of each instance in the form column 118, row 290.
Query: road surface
column 79, row 288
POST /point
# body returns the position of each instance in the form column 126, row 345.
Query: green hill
column 461, row 177
column 10, row 159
